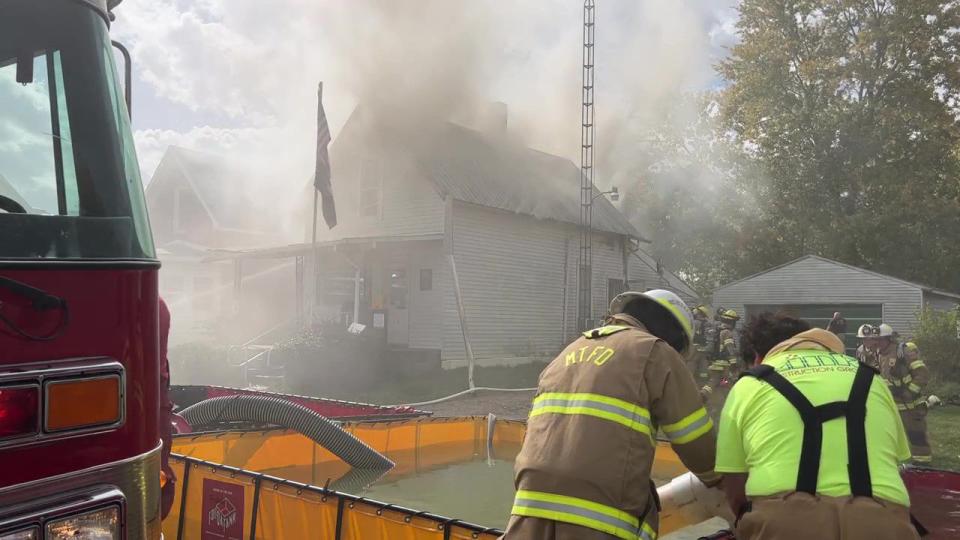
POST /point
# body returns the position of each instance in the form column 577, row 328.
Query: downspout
column 458, row 292
column 625, row 253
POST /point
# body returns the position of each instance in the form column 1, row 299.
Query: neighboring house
column 414, row 206
column 198, row 202
column 813, row 288
column 205, row 200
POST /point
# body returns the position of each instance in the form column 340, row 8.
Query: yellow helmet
column 730, row 314
column 702, row 310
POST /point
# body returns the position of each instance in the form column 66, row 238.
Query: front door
column 398, row 308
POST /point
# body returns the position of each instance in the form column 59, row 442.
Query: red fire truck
column 79, row 369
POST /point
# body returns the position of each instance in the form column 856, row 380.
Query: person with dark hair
column 583, row 472
column 804, row 406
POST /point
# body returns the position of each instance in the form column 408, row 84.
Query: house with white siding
column 447, row 213
column 198, row 202
column 813, row 288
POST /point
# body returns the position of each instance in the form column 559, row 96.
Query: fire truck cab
column 79, row 370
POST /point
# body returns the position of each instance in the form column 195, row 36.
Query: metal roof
column 922, row 287
column 476, row 168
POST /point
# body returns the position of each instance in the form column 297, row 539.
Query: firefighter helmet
column 729, row 315
column 702, row 310
column 869, row 331
column 666, row 299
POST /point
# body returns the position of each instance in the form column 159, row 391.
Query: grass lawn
column 427, row 386
column 943, row 429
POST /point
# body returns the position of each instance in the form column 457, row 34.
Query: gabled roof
column 922, row 287
column 472, row 167
column 220, row 186
column 492, row 171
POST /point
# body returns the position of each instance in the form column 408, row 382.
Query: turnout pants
column 800, row 516
column 531, row 528
column 915, row 424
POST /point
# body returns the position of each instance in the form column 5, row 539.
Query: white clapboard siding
column 815, row 280
column 410, row 205
column 511, row 272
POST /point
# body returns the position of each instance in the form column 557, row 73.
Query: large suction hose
column 271, row 410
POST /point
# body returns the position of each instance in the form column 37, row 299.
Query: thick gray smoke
column 238, row 77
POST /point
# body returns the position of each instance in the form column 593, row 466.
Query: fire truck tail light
column 22, row 534
column 19, row 413
column 101, row 524
column 82, row 403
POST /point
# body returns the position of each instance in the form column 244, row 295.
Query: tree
column 676, row 175
column 848, row 109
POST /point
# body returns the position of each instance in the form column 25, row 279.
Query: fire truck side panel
column 112, row 316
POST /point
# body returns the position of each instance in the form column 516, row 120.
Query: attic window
column 371, row 189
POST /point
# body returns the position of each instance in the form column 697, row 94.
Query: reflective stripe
column 906, row 379
column 910, row 405
column 914, row 388
column 581, row 512
column 917, row 364
column 896, row 382
column 922, row 459
column 605, row 331
column 689, row 428
column 605, row 407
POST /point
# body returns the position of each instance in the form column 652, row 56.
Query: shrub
column 202, row 363
column 936, row 336
column 329, row 359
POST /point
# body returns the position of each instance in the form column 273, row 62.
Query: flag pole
column 313, row 239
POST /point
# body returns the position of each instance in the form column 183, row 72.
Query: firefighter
column 869, row 341
column 907, row 375
column 704, row 340
column 715, row 391
column 584, row 469
column 795, row 470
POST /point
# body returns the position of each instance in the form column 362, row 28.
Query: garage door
column 819, row 315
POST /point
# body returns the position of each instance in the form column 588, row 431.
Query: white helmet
column 868, row 331
column 666, row 299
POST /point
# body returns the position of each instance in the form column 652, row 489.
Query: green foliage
column 834, row 132
column 936, row 336
column 328, row 359
column 849, row 110
column 943, row 429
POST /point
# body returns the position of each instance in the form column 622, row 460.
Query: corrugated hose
column 276, row 411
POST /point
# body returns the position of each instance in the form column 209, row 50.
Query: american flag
column 321, row 177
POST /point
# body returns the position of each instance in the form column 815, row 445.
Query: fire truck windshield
column 69, row 181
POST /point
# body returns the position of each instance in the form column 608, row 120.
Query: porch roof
column 304, row 248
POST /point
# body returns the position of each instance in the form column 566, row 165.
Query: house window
column 426, row 279
column 371, row 189
column 614, row 287
column 398, row 289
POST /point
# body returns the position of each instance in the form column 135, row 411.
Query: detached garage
column 813, row 288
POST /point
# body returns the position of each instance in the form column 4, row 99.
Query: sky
column 239, row 77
